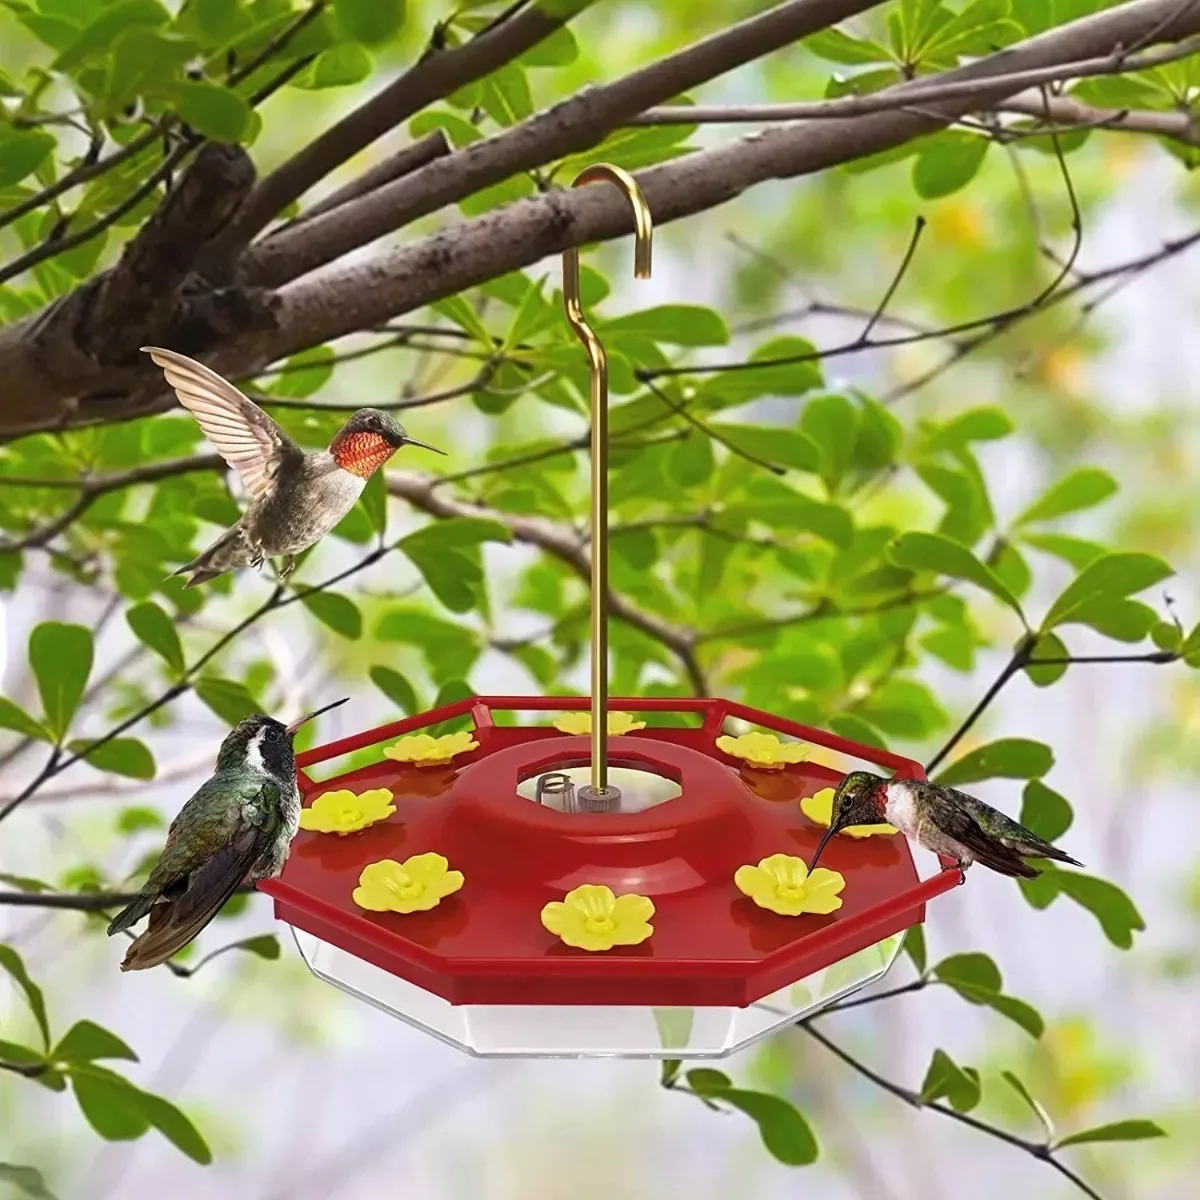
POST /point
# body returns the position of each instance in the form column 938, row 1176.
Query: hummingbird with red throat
column 941, row 819
column 295, row 498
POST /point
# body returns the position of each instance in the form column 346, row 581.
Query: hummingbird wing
column 248, row 440
column 194, row 879
column 958, row 823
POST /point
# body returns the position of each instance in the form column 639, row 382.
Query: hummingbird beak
column 291, row 729
column 409, row 441
column 812, row 866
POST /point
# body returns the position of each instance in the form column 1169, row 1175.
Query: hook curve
column 598, row 364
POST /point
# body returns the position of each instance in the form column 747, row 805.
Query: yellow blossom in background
column 423, row 750
column 345, row 812
column 581, row 723
column 782, row 884
column 591, row 918
column 819, row 808
column 417, row 884
column 763, row 750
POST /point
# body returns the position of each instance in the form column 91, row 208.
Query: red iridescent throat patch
column 361, row 454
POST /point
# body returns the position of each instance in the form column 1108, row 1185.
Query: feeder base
column 595, row 1031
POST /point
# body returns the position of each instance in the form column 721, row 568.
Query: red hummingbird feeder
column 571, row 891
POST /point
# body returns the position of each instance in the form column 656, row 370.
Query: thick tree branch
column 571, row 126
column 355, row 296
column 437, row 74
column 341, row 300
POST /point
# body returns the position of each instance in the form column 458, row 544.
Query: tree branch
column 90, row 490
column 569, row 127
column 438, row 74
column 85, row 902
column 340, row 300
column 1039, row 1150
column 562, row 543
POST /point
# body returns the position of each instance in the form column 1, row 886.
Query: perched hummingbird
column 941, row 819
column 237, row 828
column 295, row 498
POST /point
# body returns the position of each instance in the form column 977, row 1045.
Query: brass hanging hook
column 598, row 362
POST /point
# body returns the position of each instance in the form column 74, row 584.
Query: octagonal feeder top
column 698, row 815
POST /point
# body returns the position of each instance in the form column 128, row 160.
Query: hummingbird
column 295, row 498
column 941, row 819
column 237, row 828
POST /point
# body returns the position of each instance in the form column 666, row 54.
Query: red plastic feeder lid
column 486, row 944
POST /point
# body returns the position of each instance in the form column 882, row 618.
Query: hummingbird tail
column 133, row 913
column 173, row 925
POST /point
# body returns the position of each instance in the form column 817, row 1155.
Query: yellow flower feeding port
column 599, row 886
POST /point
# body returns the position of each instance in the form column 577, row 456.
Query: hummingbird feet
column 289, row 565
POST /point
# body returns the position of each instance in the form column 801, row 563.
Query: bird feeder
column 533, row 890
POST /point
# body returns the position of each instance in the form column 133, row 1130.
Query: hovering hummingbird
column 236, row 828
column 940, row 819
column 295, row 498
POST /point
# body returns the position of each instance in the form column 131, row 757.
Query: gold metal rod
column 598, row 362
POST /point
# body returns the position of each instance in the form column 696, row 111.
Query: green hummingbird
column 941, row 819
column 236, row 828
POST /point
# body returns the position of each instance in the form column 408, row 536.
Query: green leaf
column 949, row 161
column 22, row 151
column 304, row 373
column 1082, row 488
column 266, row 945
column 945, row 1078
column 137, row 818
column 1122, row 620
column 340, row 66
column 101, row 33
column 61, row 658
column 1007, row 758
column 1118, row 1131
column 10, row 960
column 1036, row 1108
column 1076, row 551
column 914, row 947
column 374, row 502
column 1044, row 811
column 450, row 650
column 1017, row 1011
column 23, row 883
column 109, row 1103
column 122, row 756
column 214, row 112
column 832, row 422
column 1048, row 645
column 118, row 1111
column 840, row 47
column 231, row 701
column 1116, row 912
column 780, row 447
column 784, row 1131
column 19, row 721
column 396, row 688
column 708, row 1081
column 1111, row 577
column 975, row 425
column 371, row 22
column 932, row 552
column 975, row 971
column 86, row 1041
column 337, row 611
column 155, row 629
column 26, row 1180
column 674, row 1027
column 675, row 324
